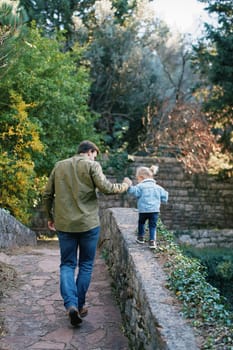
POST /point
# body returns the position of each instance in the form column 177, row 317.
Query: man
column 72, row 209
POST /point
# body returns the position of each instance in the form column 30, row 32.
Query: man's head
column 89, row 148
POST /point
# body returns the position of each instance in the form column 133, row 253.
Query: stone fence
column 13, row 233
column 196, row 201
column 151, row 314
column 205, row 238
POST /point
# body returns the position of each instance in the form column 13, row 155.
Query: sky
column 186, row 16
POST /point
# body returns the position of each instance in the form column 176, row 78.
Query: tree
column 135, row 65
column 140, row 72
column 186, row 135
column 58, row 86
column 19, row 141
column 214, row 58
column 10, row 26
column 124, row 72
column 49, row 15
column 52, row 16
column 44, row 114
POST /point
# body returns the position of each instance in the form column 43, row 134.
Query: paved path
column 34, row 313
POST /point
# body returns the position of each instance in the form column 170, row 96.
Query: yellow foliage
column 218, row 162
column 25, row 131
column 17, row 178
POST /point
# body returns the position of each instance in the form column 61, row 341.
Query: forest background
column 115, row 73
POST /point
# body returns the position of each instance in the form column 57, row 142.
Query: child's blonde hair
column 145, row 172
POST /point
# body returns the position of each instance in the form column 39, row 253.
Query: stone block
column 13, row 233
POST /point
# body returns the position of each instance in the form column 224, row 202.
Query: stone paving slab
column 34, row 315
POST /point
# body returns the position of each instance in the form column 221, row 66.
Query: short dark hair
column 86, row 146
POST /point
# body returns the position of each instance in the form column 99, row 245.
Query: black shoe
column 140, row 240
column 83, row 312
column 74, row 316
column 152, row 245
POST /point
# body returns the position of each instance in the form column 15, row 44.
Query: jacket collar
column 148, row 180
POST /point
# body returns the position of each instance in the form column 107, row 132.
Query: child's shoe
column 140, row 240
column 152, row 244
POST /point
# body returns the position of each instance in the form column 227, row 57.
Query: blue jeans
column 152, row 218
column 73, row 289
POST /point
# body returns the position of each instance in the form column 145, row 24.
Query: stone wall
column 151, row 315
column 206, row 238
column 13, row 233
column 195, row 201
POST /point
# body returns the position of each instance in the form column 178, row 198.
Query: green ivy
column 219, row 266
column 201, row 301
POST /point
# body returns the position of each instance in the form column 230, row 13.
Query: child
column 149, row 197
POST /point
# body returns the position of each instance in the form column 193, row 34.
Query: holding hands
column 127, row 181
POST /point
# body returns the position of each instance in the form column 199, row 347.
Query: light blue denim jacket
column 149, row 196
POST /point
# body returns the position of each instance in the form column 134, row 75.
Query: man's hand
column 51, row 226
column 127, row 181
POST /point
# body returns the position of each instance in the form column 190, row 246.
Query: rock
column 13, row 233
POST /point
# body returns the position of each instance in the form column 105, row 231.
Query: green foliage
column 58, row 87
column 219, row 261
column 8, row 19
column 199, row 298
column 225, row 269
column 123, row 8
column 116, row 164
column 86, row 10
column 19, row 140
column 50, row 16
column 138, row 70
column 10, row 27
column 219, row 268
column 124, row 76
column 201, row 301
column 44, row 114
column 215, row 59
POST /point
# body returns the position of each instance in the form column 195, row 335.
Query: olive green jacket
column 70, row 195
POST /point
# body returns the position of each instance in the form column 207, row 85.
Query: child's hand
column 127, row 181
